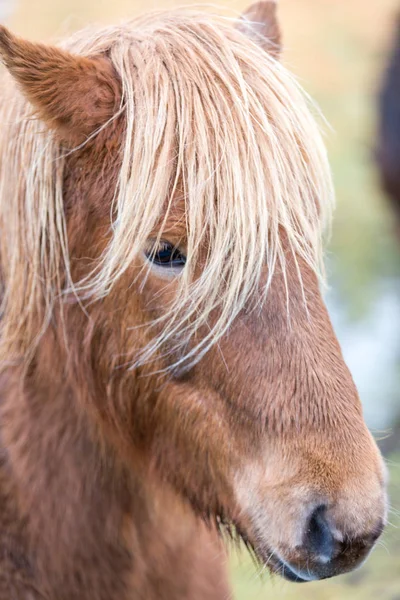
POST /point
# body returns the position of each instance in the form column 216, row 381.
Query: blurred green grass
column 378, row 578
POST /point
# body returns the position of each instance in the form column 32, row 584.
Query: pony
column 388, row 151
column 169, row 372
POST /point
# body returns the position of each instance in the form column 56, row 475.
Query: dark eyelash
column 166, row 255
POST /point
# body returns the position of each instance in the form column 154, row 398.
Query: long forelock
column 206, row 109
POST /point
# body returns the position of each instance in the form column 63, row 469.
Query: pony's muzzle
column 325, row 552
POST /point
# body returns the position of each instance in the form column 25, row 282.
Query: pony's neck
column 86, row 512
column 72, row 489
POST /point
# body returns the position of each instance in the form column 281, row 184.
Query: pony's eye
column 166, row 254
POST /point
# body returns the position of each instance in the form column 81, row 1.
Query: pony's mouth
column 282, row 568
column 277, row 565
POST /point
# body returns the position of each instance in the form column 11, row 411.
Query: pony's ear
column 74, row 95
column 259, row 22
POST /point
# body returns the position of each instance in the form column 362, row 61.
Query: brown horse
column 389, row 127
column 168, row 367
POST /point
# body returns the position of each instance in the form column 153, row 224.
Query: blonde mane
column 205, row 107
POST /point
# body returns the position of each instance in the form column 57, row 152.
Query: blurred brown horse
column 168, row 367
column 389, row 127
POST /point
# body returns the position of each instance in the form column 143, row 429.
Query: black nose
column 318, row 540
column 321, row 555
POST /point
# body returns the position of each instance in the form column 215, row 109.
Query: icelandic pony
column 388, row 153
column 168, row 367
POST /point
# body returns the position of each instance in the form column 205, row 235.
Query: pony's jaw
column 305, row 531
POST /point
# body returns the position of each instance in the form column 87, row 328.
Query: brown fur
column 112, row 480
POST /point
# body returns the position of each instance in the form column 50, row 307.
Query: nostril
column 318, row 538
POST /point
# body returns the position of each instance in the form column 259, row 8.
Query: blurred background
column 338, row 50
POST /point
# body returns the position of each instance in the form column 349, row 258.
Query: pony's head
column 161, row 223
